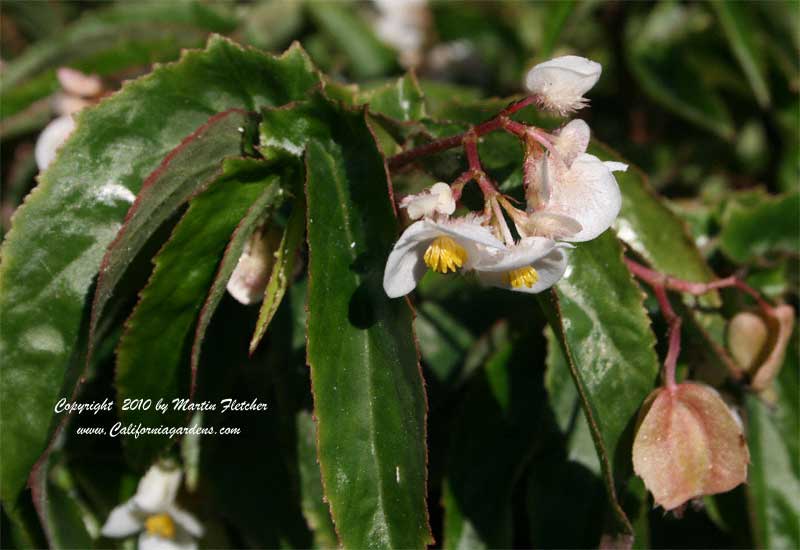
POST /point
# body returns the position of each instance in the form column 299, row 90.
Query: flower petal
column 526, row 252
column 588, row 193
column 157, row 489
column 615, row 166
column 405, row 266
column 123, row 521
column 549, row 268
column 50, row 140
column 551, row 224
column 154, row 542
column 186, row 521
column 470, row 231
column 573, row 139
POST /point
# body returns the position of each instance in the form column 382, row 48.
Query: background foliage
column 701, row 96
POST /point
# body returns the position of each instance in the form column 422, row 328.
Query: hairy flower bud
column 561, row 82
column 689, row 443
column 438, row 199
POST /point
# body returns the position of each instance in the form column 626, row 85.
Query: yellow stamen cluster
column 524, row 276
column 160, row 525
column 445, row 254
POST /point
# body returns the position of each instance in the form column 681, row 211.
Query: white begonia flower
column 436, row 200
column 572, row 196
column 252, row 271
column 76, row 87
column 50, row 140
column 152, row 513
column 442, row 246
column 532, row 265
column 561, row 82
column 588, row 194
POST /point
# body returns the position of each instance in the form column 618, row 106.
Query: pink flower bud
column 689, row 443
column 79, row 84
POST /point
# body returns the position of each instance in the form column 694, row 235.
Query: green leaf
column 187, row 170
column 367, row 56
column 251, row 477
column 315, row 509
column 369, row 399
column 774, row 478
column 565, row 496
column 739, row 21
column 282, row 270
column 650, row 228
column 400, row 99
column 256, row 215
column 54, row 249
column 660, row 51
column 443, row 341
column 770, row 226
column 152, row 354
column 59, row 506
column 491, row 440
column 597, row 315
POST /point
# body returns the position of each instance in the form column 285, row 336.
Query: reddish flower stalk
column 660, row 283
column 437, row 146
column 654, row 278
column 674, row 321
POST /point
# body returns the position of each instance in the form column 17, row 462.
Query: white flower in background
column 403, row 24
column 78, row 89
column 561, row 82
column 153, row 514
column 250, row 277
column 443, row 246
column 532, row 265
column 76, row 83
column 51, row 138
column 438, row 199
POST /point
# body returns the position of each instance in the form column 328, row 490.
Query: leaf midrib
column 339, row 187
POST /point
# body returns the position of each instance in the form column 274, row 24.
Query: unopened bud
column 561, row 82
column 688, row 443
column 780, row 324
column 79, row 84
column 758, row 341
column 747, row 338
column 249, row 279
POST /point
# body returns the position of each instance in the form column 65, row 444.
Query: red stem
column 475, row 167
column 696, row 289
column 674, row 321
column 401, row 159
column 661, row 282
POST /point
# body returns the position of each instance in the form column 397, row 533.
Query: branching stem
column 660, row 283
column 443, row 144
